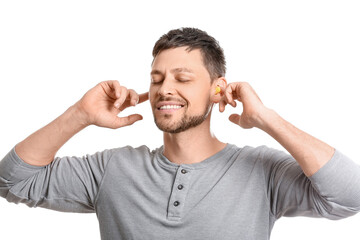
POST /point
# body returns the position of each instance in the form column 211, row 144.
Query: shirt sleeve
column 68, row 184
column 332, row 192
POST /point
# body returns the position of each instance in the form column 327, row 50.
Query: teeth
column 170, row 107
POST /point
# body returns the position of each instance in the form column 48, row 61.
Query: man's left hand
column 253, row 109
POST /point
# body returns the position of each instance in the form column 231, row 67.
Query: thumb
column 235, row 118
column 126, row 121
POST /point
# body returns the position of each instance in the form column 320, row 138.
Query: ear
column 214, row 96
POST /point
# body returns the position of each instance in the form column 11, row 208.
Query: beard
column 184, row 123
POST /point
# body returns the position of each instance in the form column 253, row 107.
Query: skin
column 181, row 75
column 178, row 78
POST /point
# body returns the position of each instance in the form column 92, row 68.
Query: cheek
column 152, row 95
column 199, row 100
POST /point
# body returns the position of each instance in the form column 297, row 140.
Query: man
column 194, row 186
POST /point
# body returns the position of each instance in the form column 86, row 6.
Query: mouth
column 169, row 106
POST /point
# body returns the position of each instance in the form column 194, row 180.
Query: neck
column 193, row 145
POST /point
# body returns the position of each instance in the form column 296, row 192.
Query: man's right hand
column 101, row 105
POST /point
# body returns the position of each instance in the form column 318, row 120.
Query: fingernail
column 117, row 105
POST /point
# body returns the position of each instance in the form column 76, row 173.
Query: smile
column 169, row 106
column 165, row 107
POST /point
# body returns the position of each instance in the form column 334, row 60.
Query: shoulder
column 143, row 149
column 266, row 152
column 130, row 152
column 251, row 152
column 132, row 155
column 263, row 154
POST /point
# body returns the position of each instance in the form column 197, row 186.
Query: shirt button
column 176, row 203
column 183, row 171
column 180, row 187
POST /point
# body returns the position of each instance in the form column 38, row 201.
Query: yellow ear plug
column 217, row 90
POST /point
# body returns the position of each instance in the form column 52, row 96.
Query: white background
column 302, row 58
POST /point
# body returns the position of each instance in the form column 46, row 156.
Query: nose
column 167, row 88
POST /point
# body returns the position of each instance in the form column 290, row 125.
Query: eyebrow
column 178, row 70
column 155, row 72
column 175, row 70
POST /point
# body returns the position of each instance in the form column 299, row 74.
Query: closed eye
column 183, row 80
column 156, row 81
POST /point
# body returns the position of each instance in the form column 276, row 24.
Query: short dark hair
column 193, row 38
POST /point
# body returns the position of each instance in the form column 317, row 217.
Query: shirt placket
column 179, row 192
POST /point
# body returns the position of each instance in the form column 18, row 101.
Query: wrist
column 40, row 147
column 267, row 120
column 77, row 119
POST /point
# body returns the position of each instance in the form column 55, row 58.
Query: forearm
column 39, row 148
column 309, row 152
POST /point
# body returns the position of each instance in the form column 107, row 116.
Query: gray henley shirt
column 238, row 193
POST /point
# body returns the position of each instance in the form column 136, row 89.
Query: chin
column 168, row 127
column 180, row 126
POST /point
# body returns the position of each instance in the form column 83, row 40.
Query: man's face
column 179, row 90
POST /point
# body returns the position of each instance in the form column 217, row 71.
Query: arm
column 309, row 152
column 31, row 174
column 331, row 187
column 99, row 106
column 332, row 192
column 67, row 184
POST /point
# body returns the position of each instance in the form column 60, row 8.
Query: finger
column 229, row 95
column 223, row 89
column 126, row 121
column 143, row 97
column 117, row 88
column 222, row 105
column 123, row 95
column 134, row 97
column 235, row 118
column 115, row 85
